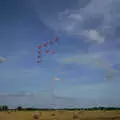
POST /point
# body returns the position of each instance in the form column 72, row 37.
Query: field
column 62, row 115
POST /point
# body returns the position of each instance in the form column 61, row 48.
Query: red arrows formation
column 45, row 45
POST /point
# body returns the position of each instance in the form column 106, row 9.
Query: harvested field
column 62, row 115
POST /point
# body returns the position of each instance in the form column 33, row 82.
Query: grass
column 62, row 115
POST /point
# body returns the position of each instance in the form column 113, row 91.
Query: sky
column 85, row 57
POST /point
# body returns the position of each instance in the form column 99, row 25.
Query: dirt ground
column 62, row 115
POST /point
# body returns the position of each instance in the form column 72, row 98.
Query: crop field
column 61, row 115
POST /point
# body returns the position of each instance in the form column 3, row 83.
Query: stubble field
column 61, row 115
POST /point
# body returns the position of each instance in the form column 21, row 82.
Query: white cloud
column 92, row 59
column 57, row 78
column 95, row 90
column 81, row 58
column 66, row 96
column 71, row 22
column 75, row 17
column 2, row 59
column 96, row 94
column 93, row 35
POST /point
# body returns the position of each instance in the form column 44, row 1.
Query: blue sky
column 89, row 48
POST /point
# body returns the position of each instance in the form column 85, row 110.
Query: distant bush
column 19, row 108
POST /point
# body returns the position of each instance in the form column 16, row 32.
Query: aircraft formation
column 44, row 48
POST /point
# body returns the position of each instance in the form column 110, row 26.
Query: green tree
column 5, row 107
column 19, row 108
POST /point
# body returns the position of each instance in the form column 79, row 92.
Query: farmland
column 62, row 115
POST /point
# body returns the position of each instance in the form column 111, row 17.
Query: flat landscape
column 62, row 115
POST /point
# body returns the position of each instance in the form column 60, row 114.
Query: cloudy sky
column 84, row 64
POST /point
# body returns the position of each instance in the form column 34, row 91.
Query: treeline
column 3, row 107
column 93, row 108
column 20, row 108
